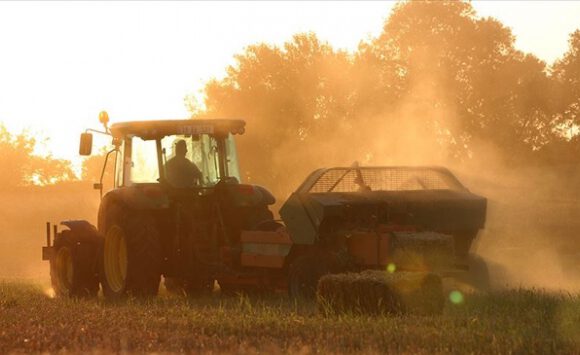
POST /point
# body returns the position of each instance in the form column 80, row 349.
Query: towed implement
column 179, row 211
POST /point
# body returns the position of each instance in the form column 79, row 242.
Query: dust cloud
column 530, row 240
column 531, row 237
column 23, row 215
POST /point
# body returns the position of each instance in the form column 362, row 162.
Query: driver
column 180, row 171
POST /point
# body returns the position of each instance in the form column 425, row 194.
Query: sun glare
column 49, row 292
column 151, row 55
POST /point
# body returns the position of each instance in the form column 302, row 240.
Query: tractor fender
column 267, row 197
column 137, row 198
column 81, row 228
column 141, row 197
column 243, row 195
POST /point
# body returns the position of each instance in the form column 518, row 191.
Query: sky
column 61, row 63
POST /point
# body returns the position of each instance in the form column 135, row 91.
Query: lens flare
column 456, row 297
column 49, row 292
column 391, row 268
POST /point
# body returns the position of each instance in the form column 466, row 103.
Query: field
column 521, row 319
column 517, row 321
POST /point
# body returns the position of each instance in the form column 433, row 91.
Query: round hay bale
column 380, row 292
column 422, row 251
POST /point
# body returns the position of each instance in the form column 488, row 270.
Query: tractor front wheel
column 73, row 267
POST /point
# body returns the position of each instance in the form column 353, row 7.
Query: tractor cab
column 143, row 149
column 147, row 147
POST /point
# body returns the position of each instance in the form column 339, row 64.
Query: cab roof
column 161, row 128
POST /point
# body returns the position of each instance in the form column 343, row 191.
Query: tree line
column 439, row 84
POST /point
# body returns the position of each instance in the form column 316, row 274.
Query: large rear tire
column 73, row 271
column 131, row 255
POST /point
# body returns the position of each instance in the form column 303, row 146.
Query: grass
column 381, row 292
column 517, row 321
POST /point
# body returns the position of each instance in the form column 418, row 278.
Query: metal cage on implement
column 396, row 178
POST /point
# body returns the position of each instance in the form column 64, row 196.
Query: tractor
column 206, row 226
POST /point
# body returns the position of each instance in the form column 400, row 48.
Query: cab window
column 140, row 163
column 202, row 150
column 143, row 166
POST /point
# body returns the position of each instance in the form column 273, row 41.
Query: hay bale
column 422, row 251
column 380, row 292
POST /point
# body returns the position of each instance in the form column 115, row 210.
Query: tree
column 565, row 95
column 23, row 167
column 291, row 98
column 92, row 167
column 566, row 71
column 437, row 85
column 464, row 78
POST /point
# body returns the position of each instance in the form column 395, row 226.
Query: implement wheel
column 131, row 255
column 73, row 267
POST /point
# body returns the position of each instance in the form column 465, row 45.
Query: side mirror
column 86, row 145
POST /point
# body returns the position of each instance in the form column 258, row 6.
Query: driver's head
column 180, row 148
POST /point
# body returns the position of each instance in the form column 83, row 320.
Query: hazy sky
column 63, row 62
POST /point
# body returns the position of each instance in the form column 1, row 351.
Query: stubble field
column 516, row 321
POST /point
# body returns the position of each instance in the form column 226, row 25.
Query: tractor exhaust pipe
column 48, row 234
column 48, row 250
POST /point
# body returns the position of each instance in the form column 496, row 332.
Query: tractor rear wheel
column 131, row 255
column 73, row 267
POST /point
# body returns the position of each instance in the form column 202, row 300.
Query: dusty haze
column 530, row 238
column 438, row 86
